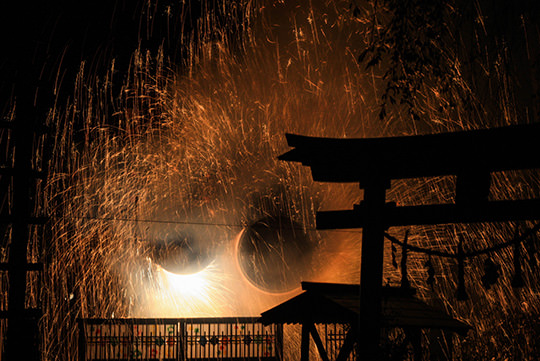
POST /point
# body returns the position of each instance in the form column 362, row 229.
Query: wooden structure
column 22, row 177
column 27, row 94
column 471, row 156
column 327, row 303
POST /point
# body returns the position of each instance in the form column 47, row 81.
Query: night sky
column 44, row 42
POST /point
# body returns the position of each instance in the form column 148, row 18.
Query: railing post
column 304, row 347
column 279, row 341
column 181, row 340
column 82, row 340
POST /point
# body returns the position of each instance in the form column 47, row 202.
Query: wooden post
column 371, row 272
column 22, row 327
column 318, row 342
column 348, row 344
column 82, row 339
column 304, row 343
column 279, row 342
column 405, row 284
column 415, row 338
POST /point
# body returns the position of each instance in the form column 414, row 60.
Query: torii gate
column 373, row 162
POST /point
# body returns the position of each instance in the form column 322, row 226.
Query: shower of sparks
column 187, row 295
column 192, row 285
column 193, row 149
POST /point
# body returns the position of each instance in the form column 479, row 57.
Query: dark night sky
column 40, row 37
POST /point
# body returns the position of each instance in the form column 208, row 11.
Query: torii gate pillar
column 371, row 272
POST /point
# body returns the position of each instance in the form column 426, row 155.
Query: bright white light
column 192, row 285
column 201, row 294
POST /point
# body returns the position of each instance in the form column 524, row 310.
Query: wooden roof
column 353, row 160
column 340, row 303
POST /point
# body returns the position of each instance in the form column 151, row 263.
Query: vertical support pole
column 349, row 343
column 318, row 342
column 461, row 293
column 415, row 337
column 182, row 340
column 371, row 272
column 404, row 279
column 26, row 74
column 279, row 341
column 517, row 280
column 22, row 327
column 304, row 343
column 82, row 339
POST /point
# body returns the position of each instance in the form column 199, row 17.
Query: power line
column 391, row 238
column 137, row 220
column 208, row 224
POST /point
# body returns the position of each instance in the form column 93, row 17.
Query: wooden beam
column 34, row 313
column 355, row 160
column 318, row 342
column 39, row 220
column 22, row 328
column 31, row 173
column 415, row 337
column 28, row 266
column 37, row 128
column 494, row 211
column 347, row 347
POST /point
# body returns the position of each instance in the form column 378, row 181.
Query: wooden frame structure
column 22, row 178
column 374, row 162
column 330, row 303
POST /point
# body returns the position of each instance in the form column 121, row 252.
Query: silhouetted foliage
column 409, row 40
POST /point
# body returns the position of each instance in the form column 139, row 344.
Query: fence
column 198, row 339
column 333, row 336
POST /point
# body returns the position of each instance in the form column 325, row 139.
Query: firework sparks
column 191, row 151
column 185, row 295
